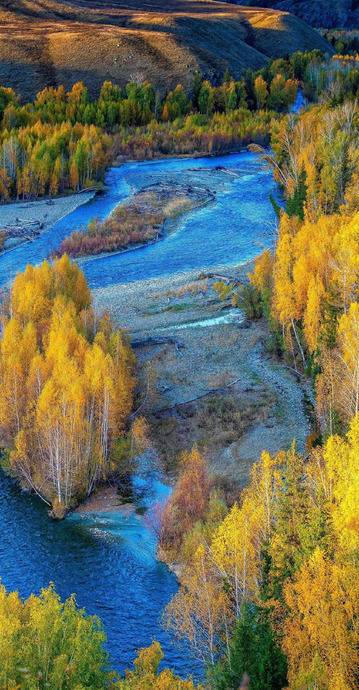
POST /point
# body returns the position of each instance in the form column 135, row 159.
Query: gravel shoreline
column 105, row 499
column 142, row 307
column 47, row 211
column 184, row 334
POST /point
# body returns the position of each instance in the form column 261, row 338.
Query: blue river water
column 108, row 559
column 229, row 232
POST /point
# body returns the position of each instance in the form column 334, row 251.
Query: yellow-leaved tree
column 66, row 382
column 321, row 632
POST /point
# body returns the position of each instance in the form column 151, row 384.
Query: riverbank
column 195, row 155
column 104, row 500
column 209, row 376
column 23, row 221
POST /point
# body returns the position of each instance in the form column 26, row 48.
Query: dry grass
column 176, row 207
column 44, row 42
column 221, row 379
column 214, row 423
column 193, row 288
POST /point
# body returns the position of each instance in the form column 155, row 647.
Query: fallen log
column 158, row 340
column 20, row 231
column 213, row 391
column 95, row 188
column 218, row 276
column 28, row 222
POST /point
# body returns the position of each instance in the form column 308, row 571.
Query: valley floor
column 208, row 374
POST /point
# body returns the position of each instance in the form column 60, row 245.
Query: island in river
column 150, row 215
column 215, row 383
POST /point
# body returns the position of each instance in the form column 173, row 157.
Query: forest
column 269, row 582
column 235, row 115
column 63, row 141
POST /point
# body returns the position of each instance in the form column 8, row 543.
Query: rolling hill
column 45, row 42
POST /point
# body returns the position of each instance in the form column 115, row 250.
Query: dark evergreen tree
column 295, row 203
column 197, row 85
column 276, row 207
column 249, row 85
column 227, row 77
column 254, row 651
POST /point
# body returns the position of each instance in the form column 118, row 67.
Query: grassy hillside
column 45, row 42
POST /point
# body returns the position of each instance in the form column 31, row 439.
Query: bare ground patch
column 208, row 381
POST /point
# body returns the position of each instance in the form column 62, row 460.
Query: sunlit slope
column 44, row 42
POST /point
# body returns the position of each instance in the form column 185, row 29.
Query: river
column 108, row 559
column 229, row 232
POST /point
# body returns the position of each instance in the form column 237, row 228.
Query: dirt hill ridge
column 45, row 42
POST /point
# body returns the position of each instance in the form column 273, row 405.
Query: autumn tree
column 67, row 393
column 47, row 643
column 189, row 500
column 321, row 632
column 261, row 92
column 146, row 674
column 201, row 612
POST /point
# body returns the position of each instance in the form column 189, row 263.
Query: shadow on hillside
column 91, row 12
column 274, row 43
